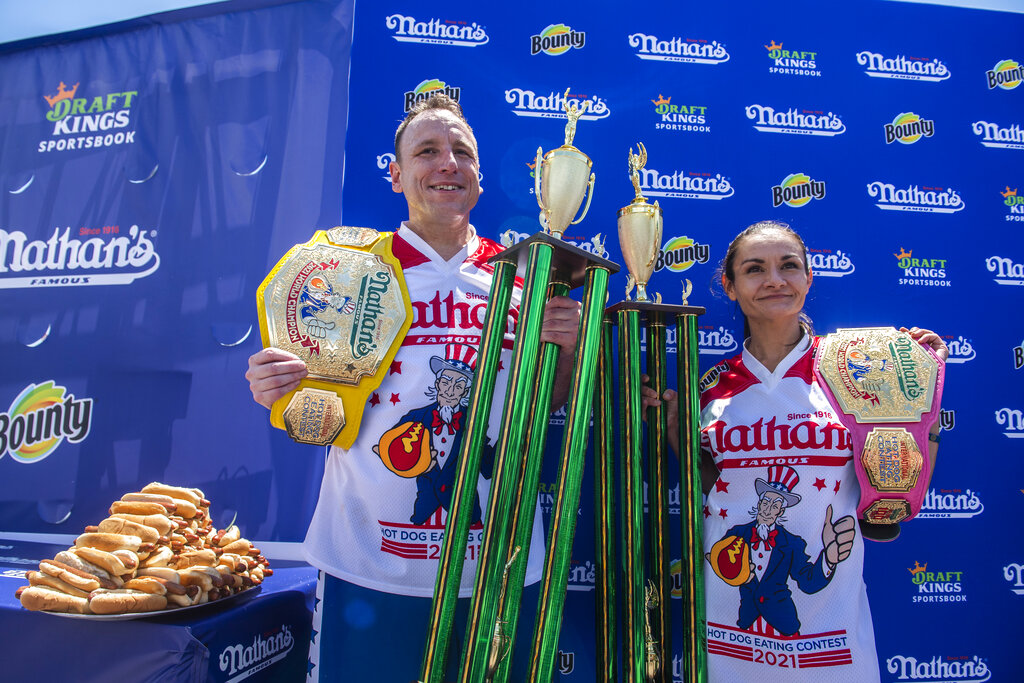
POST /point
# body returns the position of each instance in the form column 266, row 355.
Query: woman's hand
column 930, row 339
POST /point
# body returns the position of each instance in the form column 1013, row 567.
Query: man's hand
column 273, row 373
column 561, row 326
column 317, row 328
column 837, row 539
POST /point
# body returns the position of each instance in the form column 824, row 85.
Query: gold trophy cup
column 561, row 178
column 640, row 226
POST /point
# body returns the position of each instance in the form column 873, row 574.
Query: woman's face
column 771, row 278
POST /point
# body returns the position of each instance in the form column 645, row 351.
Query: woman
column 785, row 595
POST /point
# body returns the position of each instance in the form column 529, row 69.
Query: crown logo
column 662, row 100
column 1009, row 193
column 918, row 568
column 533, row 165
column 62, row 94
column 904, row 253
column 773, row 46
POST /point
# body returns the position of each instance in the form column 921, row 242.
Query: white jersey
column 383, row 530
column 787, row 614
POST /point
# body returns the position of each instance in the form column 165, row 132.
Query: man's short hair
column 438, row 101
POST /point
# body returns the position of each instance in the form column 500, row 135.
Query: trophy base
column 651, row 310
column 569, row 263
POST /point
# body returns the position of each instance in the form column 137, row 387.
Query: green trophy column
column 606, row 571
column 657, row 498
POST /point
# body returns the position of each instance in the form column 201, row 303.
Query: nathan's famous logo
column 550, row 106
column 908, row 128
column 933, row 586
column 904, row 68
column 595, row 245
column 436, row 31
column 716, row 341
column 686, row 50
column 1014, row 573
column 1015, row 204
column 918, row 270
column 685, row 117
column 1005, row 75
column 901, row 350
column 963, row 669
column 368, row 307
column 1012, row 421
column 40, row 418
column 106, row 256
column 557, row 39
column 680, row 253
column 796, row 190
column 798, row 122
column 794, row 62
column 685, row 184
column 950, row 504
column 582, row 577
column 961, row 350
column 1002, row 137
column 920, row 198
column 265, row 649
column 828, row 263
column 88, row 122
column 427, row 89
column 1006, row 271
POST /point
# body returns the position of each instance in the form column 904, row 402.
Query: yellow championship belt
column 340, row 303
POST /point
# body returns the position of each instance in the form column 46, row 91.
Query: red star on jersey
column 375, row 399
column 707, row 513
column 396, row 368
column 819, row 483
column 501, row 365
column 837, row 486
column 721, row 486
column 723, row 513
column 394, row 399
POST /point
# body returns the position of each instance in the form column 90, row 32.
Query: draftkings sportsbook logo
column 240, row 661
column 951, row 504
column 921, row 271
column 427, row 89
column 40, row 418
column 88, row 122
column 557, row 39
column 938, row 669
column 1005, row 75
column 903, row 68
column 1001, row 137
column 1005, row 271
column 684, row 50
column 684, row 184
column 796, row 190
column 907, row 128
column 936, row 586
column 550, row 106
column 828, row 263
column 792, row 62
column 795, row 121
column 1012, row 422
column 681, row 117
column 921, row 198
column 435, row 31
column 1014, row 204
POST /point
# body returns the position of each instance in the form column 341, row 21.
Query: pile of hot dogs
column 158, row 549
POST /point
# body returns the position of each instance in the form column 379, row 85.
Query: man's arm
column 561, row 326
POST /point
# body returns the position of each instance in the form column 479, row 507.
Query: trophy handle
column 536, row 178
column 590, row 195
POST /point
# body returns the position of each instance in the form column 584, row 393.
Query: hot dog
column 166, row 501
column 118, row 525
column 123, row 600
column 161, row 522
column 110, row 562
column 81, row 580
column 43, row 598
column 137, row 507
column 193, row 496
column 70, row 558
column 108, row 542
column 41, row 579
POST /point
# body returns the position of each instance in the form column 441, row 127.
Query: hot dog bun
column 124, row 600
column 109, row 542
column 39, row 598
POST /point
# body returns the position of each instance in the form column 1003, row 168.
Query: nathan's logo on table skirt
column 529, row 103
column 435, row 31
column 243, row 660
column 796, row 190
column 557, row 39
column 94, row 121
column 960, row 350
column 108, row 255
column 828, row 263
column 1005, row 271
column 1002, row 137
column 921, row 270
column 40, row 418
column 685, row 184
column 903, row 68
column 1014, row 203
column 921, row 198
column 796, row 62
column 1005, row 75
column 1014, row 573
column 907, row 128
column 950, row 504
column 680, row 253
column 963, row 669
column 681, row 117
column 685, row 50
column 1012, row 422
column 795, row 121
column 427, row 89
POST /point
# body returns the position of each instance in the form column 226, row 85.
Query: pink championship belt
column 886, row 389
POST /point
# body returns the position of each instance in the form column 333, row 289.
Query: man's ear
column 396, row 176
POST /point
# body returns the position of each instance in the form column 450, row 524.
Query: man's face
column 769, row 507
column 438, row 169
column 451, row 387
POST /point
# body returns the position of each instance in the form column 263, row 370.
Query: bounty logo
column 241, row 661
column 1006, row 271
column 566, row 662
column 797, row 122
column 915, row 198
column 1012, row 422
column 826, row 263
column 947, row 420
column 683, row 50
column 939, row 669
column 908, row 128
column 557, row 39
column 427, row 89
column 435, row 31
column 679, row 253
column 40, row 418
column 950, row 504
column 683, row 117
column 936, row 586
column 676, row 576
column 685, row 184
column 1014, row 573
column 961, row 350
column 529, row 103
column 1001, row 137
column 88, row 123
column 921, row 271
column 1014, row 203
column 1005, row 75
column 792, row 62
column 903, row 68
column 114, row 258
column 1018, row 356
column 796, row 190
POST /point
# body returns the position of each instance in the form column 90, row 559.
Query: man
column 361, row 537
